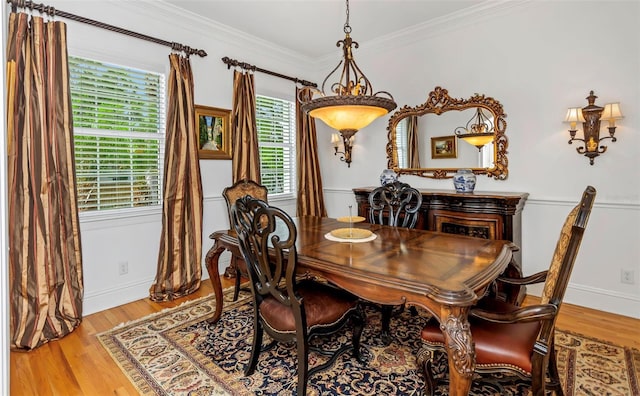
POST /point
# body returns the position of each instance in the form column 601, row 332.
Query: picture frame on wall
column 213, row 129
column 444, row 147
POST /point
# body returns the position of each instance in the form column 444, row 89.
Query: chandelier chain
column 347, row 27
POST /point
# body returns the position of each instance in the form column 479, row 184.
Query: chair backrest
column 267, row 240
column 567, row 248
column 395, row 204
column 240, row 189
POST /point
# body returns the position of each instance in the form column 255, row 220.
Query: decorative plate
column 352, row 219
column 351, row 233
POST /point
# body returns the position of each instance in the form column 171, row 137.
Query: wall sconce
column 590, row 117
column 347, row 143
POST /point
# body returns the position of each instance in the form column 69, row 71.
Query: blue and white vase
column 388, row 176
column 464, row 181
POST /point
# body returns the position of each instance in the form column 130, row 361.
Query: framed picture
column 444, row 147
column 213, row 126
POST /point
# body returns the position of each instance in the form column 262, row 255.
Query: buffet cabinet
column 490, row 215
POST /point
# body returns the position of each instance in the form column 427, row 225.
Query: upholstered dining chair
column 511, row 339
column 396, row 204
column 286, row 306
column 231, row 194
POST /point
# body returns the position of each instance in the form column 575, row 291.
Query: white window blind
column 119, row 124
column 402, row 145
column 276, row 123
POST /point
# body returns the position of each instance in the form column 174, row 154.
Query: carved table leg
column 211, row 261
column 460, row 349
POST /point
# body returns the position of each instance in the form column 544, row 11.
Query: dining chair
column 516, row 340
column 231, row 194
column 286, row 306
column 395, row 204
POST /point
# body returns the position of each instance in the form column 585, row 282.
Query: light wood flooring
column 79, row 365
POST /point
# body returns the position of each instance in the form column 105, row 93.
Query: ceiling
column 312, row 27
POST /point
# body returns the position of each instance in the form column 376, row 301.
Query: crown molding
column 440, row 26
column 194, row 23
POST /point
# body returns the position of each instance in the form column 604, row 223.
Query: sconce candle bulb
column 590, row 116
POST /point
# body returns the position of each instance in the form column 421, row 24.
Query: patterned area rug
column 177, row 352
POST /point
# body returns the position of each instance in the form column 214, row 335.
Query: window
column 402, row 142
column 276, row 123
column 119, row 123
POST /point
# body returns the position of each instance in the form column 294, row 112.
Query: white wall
column 537, row 58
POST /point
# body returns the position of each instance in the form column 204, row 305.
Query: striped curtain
column 45, row 257
column 310, row 194
column 179, row 268
column 245, row 164
column 413, row 155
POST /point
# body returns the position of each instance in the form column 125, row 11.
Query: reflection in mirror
column 415, row 136
column 431, row 139
column 479, row 130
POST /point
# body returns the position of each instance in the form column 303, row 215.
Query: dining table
column 446, row 274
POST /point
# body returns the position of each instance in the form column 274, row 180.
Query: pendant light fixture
column 352, row 105
column 479, row 130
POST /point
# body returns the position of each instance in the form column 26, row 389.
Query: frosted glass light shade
column 477, row 139
column 348, row 116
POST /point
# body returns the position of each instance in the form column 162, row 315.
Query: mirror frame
column 439, row 102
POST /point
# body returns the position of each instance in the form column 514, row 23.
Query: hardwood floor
column 79, row 365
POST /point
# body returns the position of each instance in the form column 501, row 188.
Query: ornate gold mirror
column 445, row 134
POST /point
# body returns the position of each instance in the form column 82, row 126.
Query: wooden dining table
column 444, row 273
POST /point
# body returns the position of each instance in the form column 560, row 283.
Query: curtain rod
column 53, row 12
column 246, row 66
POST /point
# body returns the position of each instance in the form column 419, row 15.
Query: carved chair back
column 241, row 188
column 395, row 204
column 267, row 237
column 564, row 257
column 288, row 308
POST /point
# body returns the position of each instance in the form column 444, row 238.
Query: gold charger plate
column 352, row 219
column 351, row 233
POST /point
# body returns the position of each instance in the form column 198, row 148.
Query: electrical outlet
column 627, row 276
column 123, row 268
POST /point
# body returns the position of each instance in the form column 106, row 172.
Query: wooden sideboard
column 490, row 215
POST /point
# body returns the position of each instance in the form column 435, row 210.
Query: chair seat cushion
column 497, row 344
column 324, row 306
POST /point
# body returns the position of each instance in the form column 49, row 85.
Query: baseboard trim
column 625, row 304
column 110, row 298
column 128, row 292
